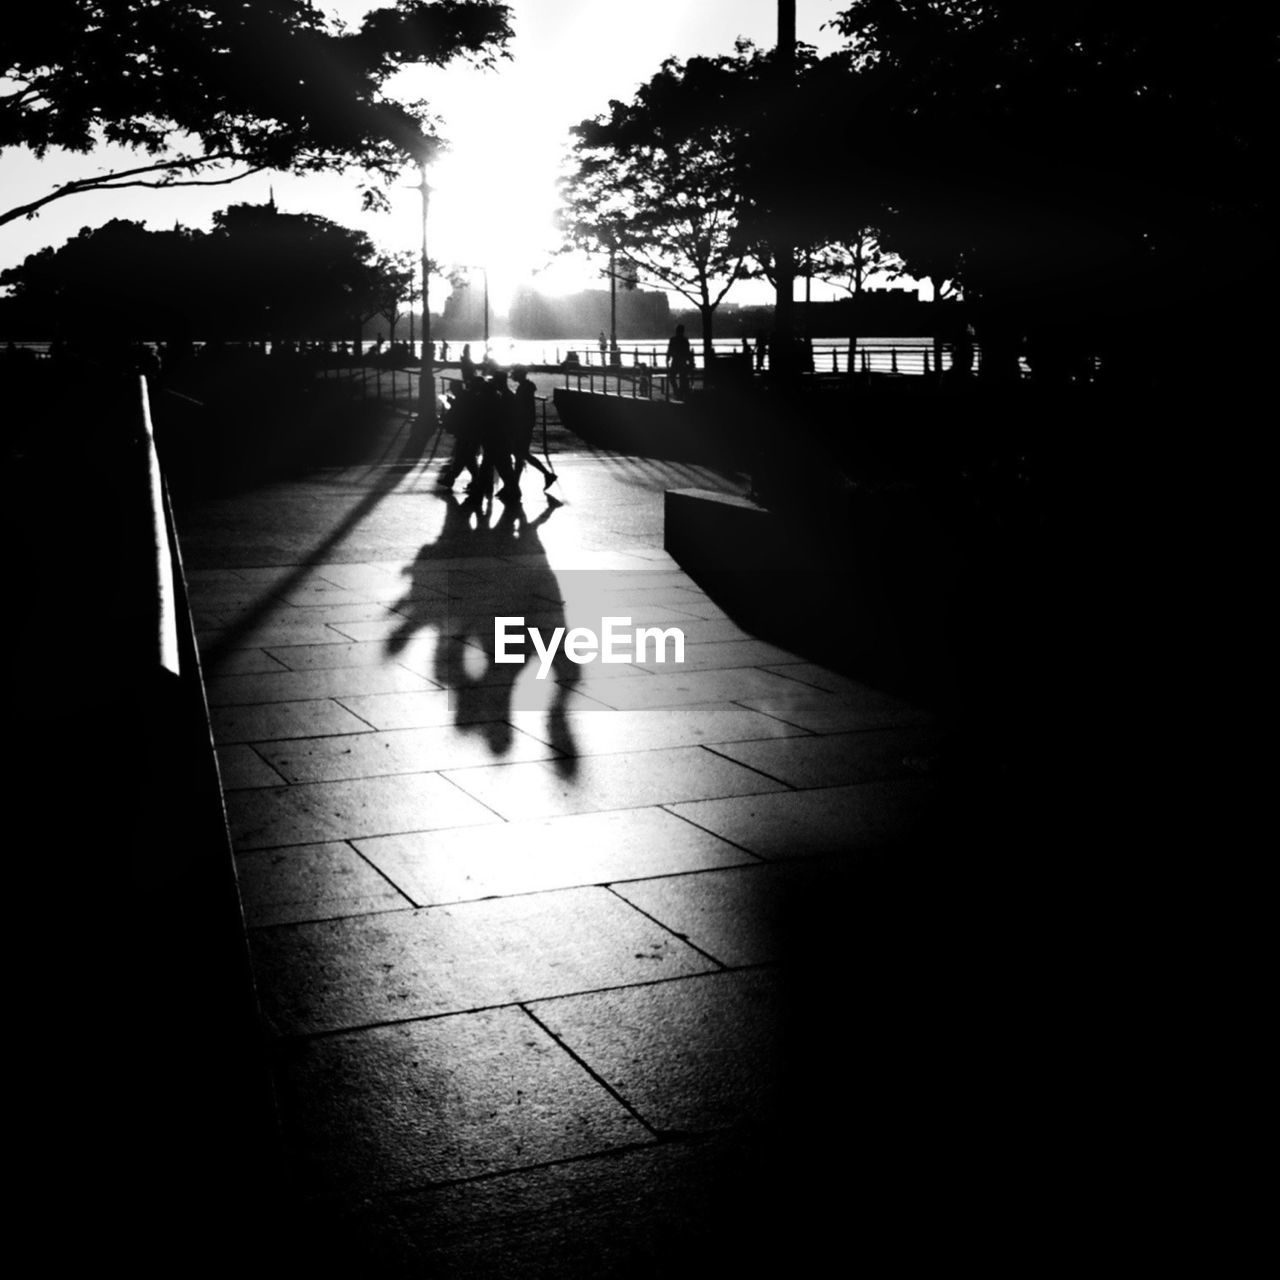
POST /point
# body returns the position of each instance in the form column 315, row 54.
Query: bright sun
column 494, row 211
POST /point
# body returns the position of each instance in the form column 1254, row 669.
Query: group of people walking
column 492, row 427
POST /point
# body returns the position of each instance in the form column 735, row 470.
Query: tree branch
column 130, row 178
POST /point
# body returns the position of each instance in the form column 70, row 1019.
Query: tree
column 653, row 183
column 258, row 275
column 1067, row 164
column 397, row 273
column 785, row 154
column 209, row 91
column 304, row 275
column 118, row 280
column 849, row 263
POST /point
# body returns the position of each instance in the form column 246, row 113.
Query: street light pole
column 427, row 374
column 782, row 360
column 613, row 299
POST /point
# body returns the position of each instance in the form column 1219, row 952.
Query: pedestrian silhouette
column 524, row 416
column 494, row 410
column 461, row 420
column 680, row 360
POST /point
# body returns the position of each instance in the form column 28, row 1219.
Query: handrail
column 186, row 885
column 166, row 605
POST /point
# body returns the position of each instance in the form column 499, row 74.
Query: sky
column 493, row 196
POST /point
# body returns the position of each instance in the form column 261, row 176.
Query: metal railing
column 636, row 383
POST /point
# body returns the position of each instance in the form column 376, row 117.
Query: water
column 830, row 354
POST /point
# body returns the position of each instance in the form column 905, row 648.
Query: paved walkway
column 540, row 960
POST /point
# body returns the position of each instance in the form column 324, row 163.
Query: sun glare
column 495, row 210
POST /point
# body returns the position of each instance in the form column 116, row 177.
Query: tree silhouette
column 653, row 180
column 208, row 91
column 848, row 263
column 397, row 274
column 258, row 275
column 1067, row 164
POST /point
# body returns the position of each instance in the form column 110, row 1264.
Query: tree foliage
column 653, row 180
column 196, row 85
column 259, row 274
column 850, row 262
column 1048, row 155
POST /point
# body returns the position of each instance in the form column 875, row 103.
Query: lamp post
column 628, row 278
column 613, row 299
column 427, row 373
column 783, row 359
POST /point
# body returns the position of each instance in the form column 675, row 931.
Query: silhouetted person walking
column 680, row 360
column 467, row 364
column 524, row 416
column 494, row 418
column 462, row 421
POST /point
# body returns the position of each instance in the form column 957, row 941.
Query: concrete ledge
column 706, row 530
column 648, row 428
column 866, row 595
column 769, row 573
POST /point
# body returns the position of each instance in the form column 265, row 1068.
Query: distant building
column 641, row 314
column 464, row 314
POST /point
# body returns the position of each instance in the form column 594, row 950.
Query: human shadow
column 460, row 606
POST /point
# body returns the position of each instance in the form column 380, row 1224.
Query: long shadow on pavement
column 460, row 607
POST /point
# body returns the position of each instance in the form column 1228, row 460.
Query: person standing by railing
column 680, row 360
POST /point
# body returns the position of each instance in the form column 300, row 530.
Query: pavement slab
column 242, row 662
column 824, row 820
column 535, row 856
column 318, row 657
column 721, row 655
column 241, row 767
column 691, row 1055
column 262, row 722
column 828, row 760
column 321, row 811
column 670, row 1208
column 596, row 730
column 299, row 686
column 428, row 1102
column 822, row 711
column 678, row 688
column 389, row 967
column 728, row 914
column 311, row 882
column 221, row 630
column 625, row 780
column 423, row 750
